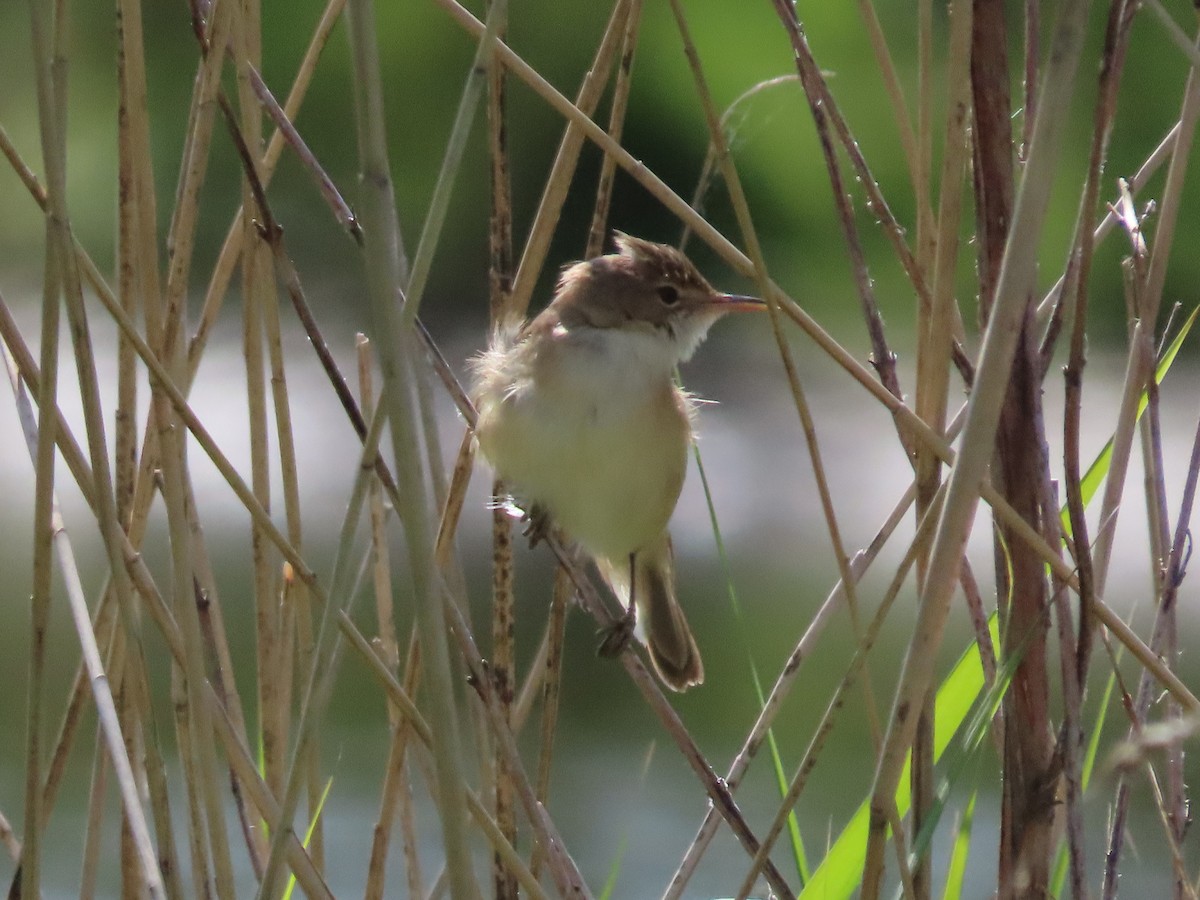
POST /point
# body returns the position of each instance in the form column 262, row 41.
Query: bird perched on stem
column 580, row 416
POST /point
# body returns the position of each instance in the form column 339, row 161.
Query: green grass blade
column 312, row 826
column 958, row 856
column 839, row 872
column 1098, row 470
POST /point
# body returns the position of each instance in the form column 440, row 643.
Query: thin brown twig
column 1016, row 280
column 820, row 105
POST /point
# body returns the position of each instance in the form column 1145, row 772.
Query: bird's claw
column 616, row 637
column 537, row 524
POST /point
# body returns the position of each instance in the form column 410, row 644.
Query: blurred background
column 612, row 810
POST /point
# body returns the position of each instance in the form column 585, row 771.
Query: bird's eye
column 668, row 294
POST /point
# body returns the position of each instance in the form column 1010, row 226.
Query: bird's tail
column 660, row 621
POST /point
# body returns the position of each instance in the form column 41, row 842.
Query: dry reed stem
column 207, row 834
column 223, row 680
column 558, row 182
column 106, row 708
column 231, row 249
column 556, row 629
column 43, row 511
column 192, row 711
column 341, row 210
column 62, row 275
column 395, row 793
column 500, row 278
column 143, row 581
column 885, row 368
column 386, row 276
column 895, row 92
column 1115, row 47
column 198, row 137
column 407, row 814
column 295, row 629
column 503, row 674
column 1015, row 281
column 598, row 230
column 824, row 113
column 108, row 637
column 925, row 529
column 567, row 877
column 257, row 290
column 934, row 342
column 138, row 271
column 922, row 190
column 381, row 566
column 789, row 672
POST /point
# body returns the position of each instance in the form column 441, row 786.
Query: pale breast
column 594, row 433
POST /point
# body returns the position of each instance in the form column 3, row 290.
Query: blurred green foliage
column 425, row 55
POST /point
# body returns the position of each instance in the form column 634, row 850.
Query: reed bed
column 214, row 768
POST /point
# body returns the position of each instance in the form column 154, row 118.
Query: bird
column 580, row 416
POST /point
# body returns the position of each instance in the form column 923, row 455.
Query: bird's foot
column 615, row 637
column 536, row 524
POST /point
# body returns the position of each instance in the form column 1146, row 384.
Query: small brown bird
column 580, row 415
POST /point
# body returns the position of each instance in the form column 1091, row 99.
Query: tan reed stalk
column 500, row 280
column 558, row 182
column 257, row 295
column 231, row 248
column 899, row 106
column 924, row 529
column 44, row 465
column 934, row 340
column 223, row 680
column 111, row 734
column 381, row 561
column 556, row 629
column 207, row 834
column 421, row 729
column 296, row 636
column 232, row 743
column 598, row 232
column 62, row 274
column 750, row 237
column 1016, row 279
column 396, row 796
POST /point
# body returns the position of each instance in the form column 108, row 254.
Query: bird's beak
column 738, row 303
